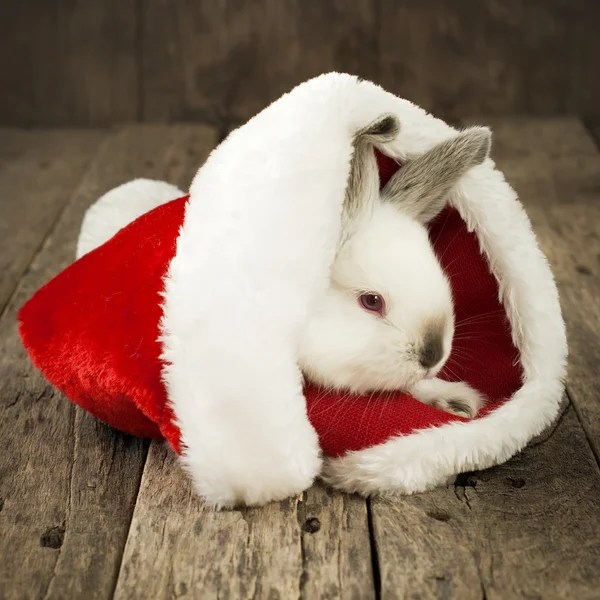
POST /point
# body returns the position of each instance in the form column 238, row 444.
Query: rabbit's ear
column 363, row 183
column 421, row 186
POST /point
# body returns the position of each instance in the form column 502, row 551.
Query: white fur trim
column 119, row 207
column 260, row 234
column 428, row 458
column 265, row 209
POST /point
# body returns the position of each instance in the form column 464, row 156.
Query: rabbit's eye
column 372, row 302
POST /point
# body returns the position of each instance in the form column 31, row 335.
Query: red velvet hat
column 130, row 331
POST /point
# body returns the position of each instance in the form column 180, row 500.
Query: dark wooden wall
column 95, row 62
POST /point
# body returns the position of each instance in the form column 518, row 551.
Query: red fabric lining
column 93, row 332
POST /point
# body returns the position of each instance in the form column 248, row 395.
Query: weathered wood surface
column 91, row 63
column 527, row 529
column 68, row 63
column 490, row 57
column 336, row 546
column 38, row 172
column 67, row 482
column 83, row 514
column 315, row 545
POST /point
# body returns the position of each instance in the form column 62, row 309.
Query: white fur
column 252, row 265
column 267, row 206
column 119, row 207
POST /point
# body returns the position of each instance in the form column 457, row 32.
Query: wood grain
column 555, row 167
column 595, row 132
column 178, row 547
column 38, row 172
column 69, row 522
column 67, row 482
column 336, row 549
column 527, row 529
column 221, row 63
column 488, row 57
column 316, row 545
column 584, row 84
column 68, row 62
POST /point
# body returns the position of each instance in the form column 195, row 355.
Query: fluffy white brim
column 259, row 237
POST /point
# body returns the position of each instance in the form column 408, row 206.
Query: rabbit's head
column 387, row 320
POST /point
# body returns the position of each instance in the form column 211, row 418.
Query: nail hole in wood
column 465, row 480
column 515, row 482
column 583, row 270
column 439, row 516
column 312, row 525
column 53, row 537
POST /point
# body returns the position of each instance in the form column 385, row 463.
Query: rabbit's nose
column 431, row 352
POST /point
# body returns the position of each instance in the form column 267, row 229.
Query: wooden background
column 94, row 63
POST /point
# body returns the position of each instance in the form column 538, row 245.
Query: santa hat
column 184, row 324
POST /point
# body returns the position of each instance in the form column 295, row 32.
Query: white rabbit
column 387, row 321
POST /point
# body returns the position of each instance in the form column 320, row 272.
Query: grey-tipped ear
column 384, row 129
column 363, row 183
column 421, row 186
column 480, row 140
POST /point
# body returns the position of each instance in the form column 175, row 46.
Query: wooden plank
column 555, row 167
column 300, row 547
column 68, row 63
column 67, row 482
column 527, row 529
column 336, row 547
column 316, row 545
column 221, row 62
column 180, row 548
column 38, row 172
column 485, row 57
column 585, row 84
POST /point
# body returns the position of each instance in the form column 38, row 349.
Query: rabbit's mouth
column 433, row 372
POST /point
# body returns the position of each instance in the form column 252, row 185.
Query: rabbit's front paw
column 454, row 397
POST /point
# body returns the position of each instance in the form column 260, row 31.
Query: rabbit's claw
column 455, row 397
